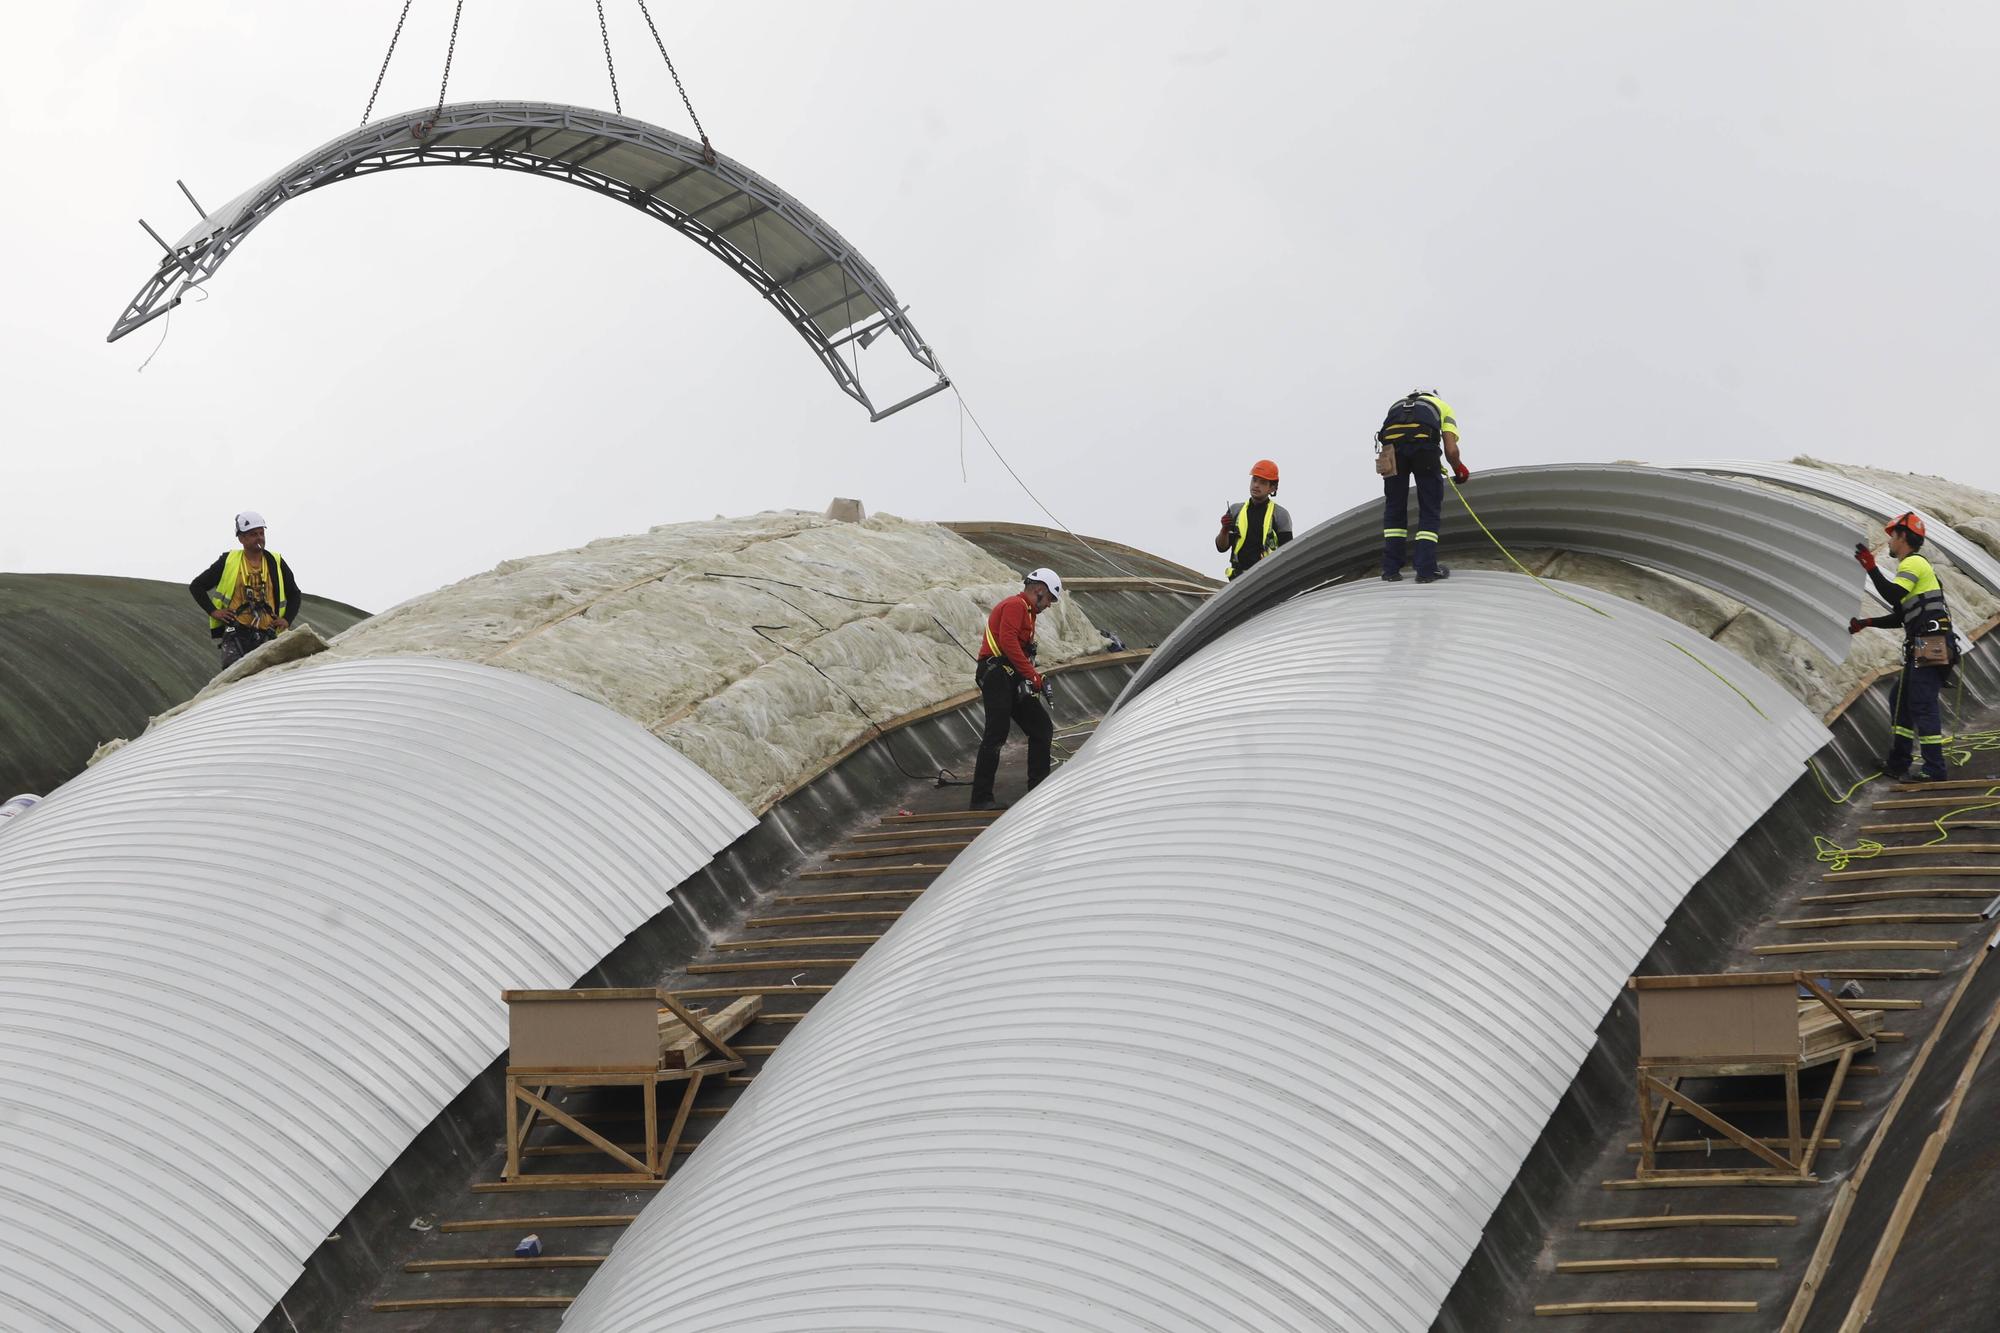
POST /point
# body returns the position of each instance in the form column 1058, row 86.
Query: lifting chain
column 376, row 91
column 707, row 149
column 609, row 68
column 422, row 129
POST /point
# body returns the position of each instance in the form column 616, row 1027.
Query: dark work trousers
column 1396, row 536
column 1919, row 719
column 1007, row 704
column 236, row 642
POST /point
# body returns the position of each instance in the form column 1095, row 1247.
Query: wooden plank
column 1675, row 1264
column 581, row 1130
column 1934, row 802
column 1646, row 1307
column 1852, row 946
column 680, row 1046
column 1661, row 1221
column 1714, row 1122
column 1808, row 1103
column 1910, row 872
column 877, row 853
column 1878, row 973
column 798, row 942
column 1929, row 825
column 474, row 1303
column 1703, row 1145
column 601, row 993
column 969, row 816
column 933, row 831
column 551, row 1223
column 870, row 872
column 1948, row 784
column 861, row 895
column 503, row 1265
column 624, row 1180
column 1939, row 849
column 1892, row 895
column 1708, row 1180
column 712, row 992
column 761, row 964
column 1883, row 919
column 817, row 919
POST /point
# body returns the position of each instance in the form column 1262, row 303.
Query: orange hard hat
column 1908, row 520
column 1264, row 468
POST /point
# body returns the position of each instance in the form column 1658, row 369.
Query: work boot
column 983, row 805
column 1392, row 576
column 1922, row 776
column 1441, row 572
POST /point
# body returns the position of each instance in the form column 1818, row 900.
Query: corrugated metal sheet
column 244, row 960
column 1784, row 557
column 1877, row 503
column 1246, row 1019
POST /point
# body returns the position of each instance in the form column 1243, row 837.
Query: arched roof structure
column 826, row 291
column 1205, row 1035
column 245, row 959
column 1695, row 527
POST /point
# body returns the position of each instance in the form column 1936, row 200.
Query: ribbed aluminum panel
column 1877, row 503
column 1247, row 1018
column 244, row 960
column 1784, row 557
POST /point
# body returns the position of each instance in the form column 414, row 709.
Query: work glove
column 1460, row 473
column 1864, row 555
column 1049, row 692
column 1856, row 626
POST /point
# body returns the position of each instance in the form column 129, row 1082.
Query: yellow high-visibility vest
column 228, row 593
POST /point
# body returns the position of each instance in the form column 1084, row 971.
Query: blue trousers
column 1396, row 537
column 1919, row 719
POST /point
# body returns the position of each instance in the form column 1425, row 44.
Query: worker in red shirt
column 1011, row 687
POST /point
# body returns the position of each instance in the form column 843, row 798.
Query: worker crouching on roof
column 1253, row 528
column 249, row 593
column 1012, row 689
column 1930, row 649
column 1417, row 428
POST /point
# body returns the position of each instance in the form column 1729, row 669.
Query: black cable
column 942, row 777
column 707, row 149
column 376, row 91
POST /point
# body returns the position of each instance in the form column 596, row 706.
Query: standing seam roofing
column 1247, row 1018
column 247, row 958
column 1692, row 526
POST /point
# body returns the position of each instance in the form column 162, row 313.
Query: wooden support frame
column 624, row 1039
column 1734, row 1025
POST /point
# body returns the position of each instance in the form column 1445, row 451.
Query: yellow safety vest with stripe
column 1243, row 531
column 228, row 594
column 1923, row 607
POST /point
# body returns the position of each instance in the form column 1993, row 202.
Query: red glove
column 1864, row 555
column 1856, row 626
column 1461, row 473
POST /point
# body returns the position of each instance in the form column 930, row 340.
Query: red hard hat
column 1908, row 520
column 1264, row 468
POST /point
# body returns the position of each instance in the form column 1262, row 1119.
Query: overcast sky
column 1152, row 243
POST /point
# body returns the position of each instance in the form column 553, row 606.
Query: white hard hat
column 1048, row 578
column 249, row 520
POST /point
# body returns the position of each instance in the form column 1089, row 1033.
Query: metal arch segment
column 1968, row 555
column 394, row 142
column 1777, row 554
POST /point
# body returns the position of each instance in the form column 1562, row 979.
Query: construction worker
column 1930, row 648
column 1253, row 528
column 1407, row 446
column 1011, row 687
column 250, row 594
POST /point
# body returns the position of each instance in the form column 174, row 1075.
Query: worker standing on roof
column 1013, row 690
column 249, row 593
column 1416, row 428
column 1253, row 528
column 1930, row 648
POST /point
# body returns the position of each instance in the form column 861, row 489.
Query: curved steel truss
column 825, row 290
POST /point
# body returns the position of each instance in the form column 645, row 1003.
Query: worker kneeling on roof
column 1253, row 528
column 250, row 594
column 1930, row 648
column 1011, row 688
column 1418, row 427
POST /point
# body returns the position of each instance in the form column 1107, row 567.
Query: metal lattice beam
column 540, row 139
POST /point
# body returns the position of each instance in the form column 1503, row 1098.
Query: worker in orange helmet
column 1253, row 528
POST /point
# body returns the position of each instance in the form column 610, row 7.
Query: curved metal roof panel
column 1786, row 558
column 244, row 960
column 1247, row 1017
column 1877, row 503
column 799, row 264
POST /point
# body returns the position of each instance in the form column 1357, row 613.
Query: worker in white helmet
column 1013, row 690
column 250, row 593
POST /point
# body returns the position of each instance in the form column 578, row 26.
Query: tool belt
column 1931, row 650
